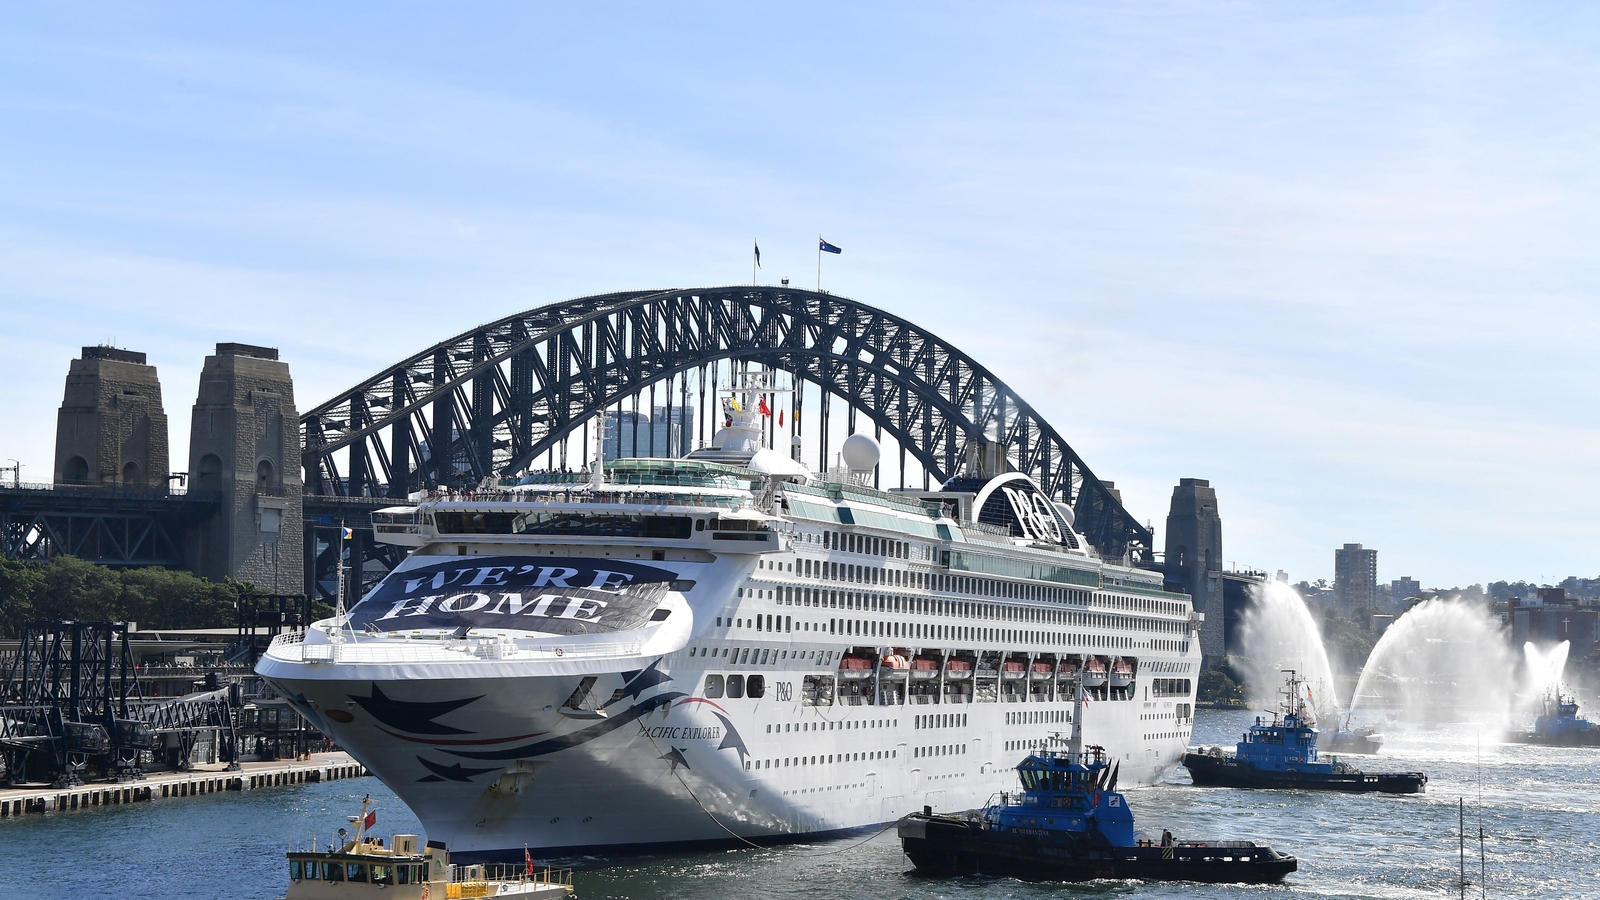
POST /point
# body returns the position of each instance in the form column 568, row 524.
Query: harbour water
column 1540, row 806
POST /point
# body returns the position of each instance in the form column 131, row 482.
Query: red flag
column 528, row 859
column 370, row 820
column 780, row 418
column 765, row 409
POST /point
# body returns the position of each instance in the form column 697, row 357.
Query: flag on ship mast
column 826, row 247
column 765, row 409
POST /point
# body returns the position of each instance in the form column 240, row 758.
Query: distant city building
column 635, row 435
column 1404, row 588
column 1355, row 581
column 1553, row 617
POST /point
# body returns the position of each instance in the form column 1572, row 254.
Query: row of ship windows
column 921, row 631
column 1170, row 687
column 943, row 720
column 864, row 544
column 819, row 690
column 940, row 750
column 930, row 631
column 761, row 656
column 826, row 759
column 841, row 725
column 829, row 570
column 1040, row 717
column 891, row 603
column 333, row 872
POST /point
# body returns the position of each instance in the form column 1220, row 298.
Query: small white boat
column 363, row 867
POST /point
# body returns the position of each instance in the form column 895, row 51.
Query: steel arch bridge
column 490, row 401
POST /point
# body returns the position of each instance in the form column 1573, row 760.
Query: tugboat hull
column 1567, row 739
column 1345, row 742
column 1226, row 771
column 951, row 845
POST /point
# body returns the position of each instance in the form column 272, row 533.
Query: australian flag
column 826, row 247
column 758, row 253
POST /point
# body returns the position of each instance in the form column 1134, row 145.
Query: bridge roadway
column 111, row 527
column 125, row 529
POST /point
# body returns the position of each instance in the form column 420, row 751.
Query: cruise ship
column 730, row 647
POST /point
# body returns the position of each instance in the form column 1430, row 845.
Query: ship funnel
column 986, row 459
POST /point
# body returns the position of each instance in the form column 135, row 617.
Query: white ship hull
column 667, row 766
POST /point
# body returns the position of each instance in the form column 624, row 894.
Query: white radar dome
column 1066, row 512
column 860, row 452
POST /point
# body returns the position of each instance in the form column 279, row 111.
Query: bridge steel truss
column 113, row 528
column 491, row 400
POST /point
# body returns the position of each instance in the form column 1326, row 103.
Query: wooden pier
column 17, row 801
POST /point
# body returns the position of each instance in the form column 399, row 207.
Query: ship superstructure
column 674, row 651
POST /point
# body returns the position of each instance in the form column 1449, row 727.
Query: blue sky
column 1339, row 259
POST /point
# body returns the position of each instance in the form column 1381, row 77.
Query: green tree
column 1216, row 687
column 67, row 588
column 74, row 589
column 19, row 589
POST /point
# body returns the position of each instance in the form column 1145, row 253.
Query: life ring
column 560, row 651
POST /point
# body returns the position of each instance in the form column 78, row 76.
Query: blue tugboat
column 1560, row 725
column 1283, row 754
column 1347, row 739
column 1070, row 824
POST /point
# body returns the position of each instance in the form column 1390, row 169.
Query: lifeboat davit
column 1121, row 673
column 1094, row 673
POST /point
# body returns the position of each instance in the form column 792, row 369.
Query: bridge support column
column 244, row 445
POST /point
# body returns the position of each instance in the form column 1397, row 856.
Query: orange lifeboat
column 958, row 669
column 855, row 668
column 1121, row 673
column 1094, row 673
column 1067, row 671
column 923, row 668
column 1042, row 670
column 1013, row 670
